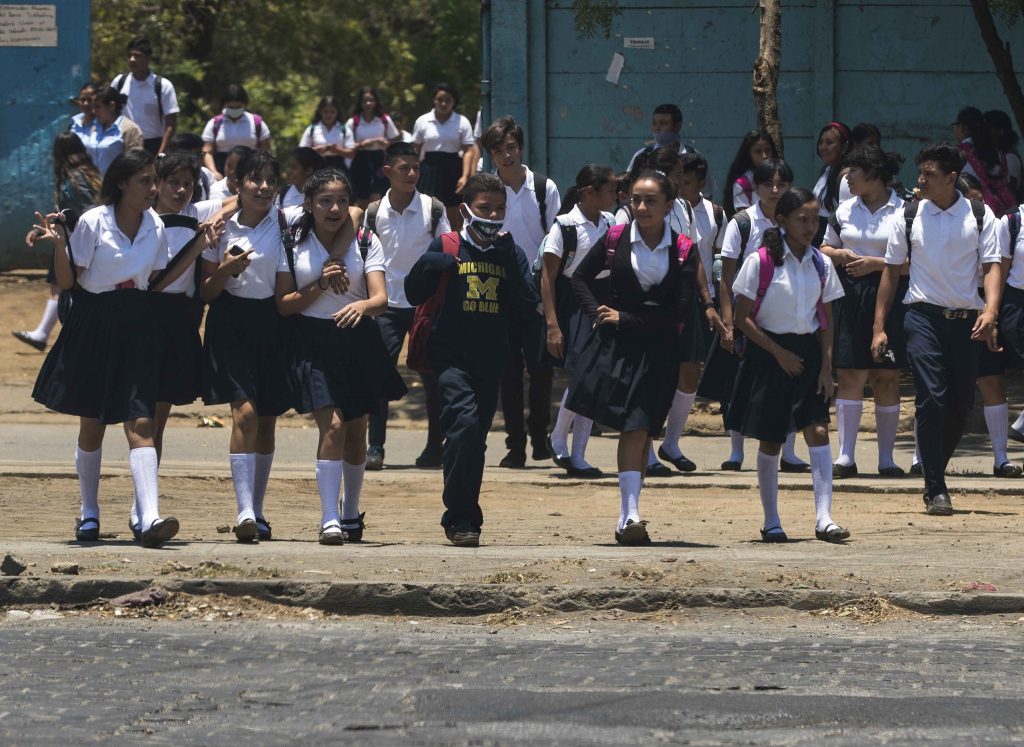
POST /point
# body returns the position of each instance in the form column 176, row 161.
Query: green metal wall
column 907, row 66
column 38, row 82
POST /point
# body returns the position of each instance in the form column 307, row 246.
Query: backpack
column 742, row 221
column 540, row 190
column 767, row 272
column 569, row 241
column 257, row 121
column 370, row 222
column 158, row 86
column 748, row 188
column 998, row 191
column 718, row 217
column 910, row 212
column 1013, row 221
column 684, row 244
column 418, row 356
column 176, row 220
column 355, row 123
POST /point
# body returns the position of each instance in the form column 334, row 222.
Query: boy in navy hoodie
column 488, row 292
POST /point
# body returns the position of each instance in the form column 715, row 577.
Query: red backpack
column 997, row 190
column 684, row 245
column 418, row 356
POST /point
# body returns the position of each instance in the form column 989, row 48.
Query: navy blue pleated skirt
column 180, row 349
column 853, row 319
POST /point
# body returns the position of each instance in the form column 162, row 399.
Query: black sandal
column 353, row 528
column 263, row 530
column 87, row 535
column 771, row 535
column 633, row 534
column 160, row 532
column 832, row 533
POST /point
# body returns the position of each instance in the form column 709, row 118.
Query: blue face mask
column 664, row 138
column 486, row 230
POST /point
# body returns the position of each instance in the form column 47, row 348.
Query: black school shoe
column 353, row 528
column 247, row 531
column 375, row 458
column 136, row 531
column 832, row 533
column 463, row 536
column 1007, row 469
column 773, row 534
column 583, row 473
column 161, row 531
column 793, row 467
column 540, row 451
column 730, row 465
column 658, row 470
column 432, row 457
column 633, row 534
column 563, row 462
column 1013, row 433
column 938, row 505
column 916, row 469
column 263, row 530
column 40, row 345
column 839, row 471
column 682, row 463
column 87, row 530
column 893, row 471
column 513, row 460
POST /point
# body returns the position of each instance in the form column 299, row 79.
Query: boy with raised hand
column 487, row 294
column 406, row 222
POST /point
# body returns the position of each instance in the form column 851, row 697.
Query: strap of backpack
column 540, row 189
column 819, row 265
column 119, row 83
column 1014, row 220
column 436, row 212
column 743, row 224
column 766, row 271
column 365, row 238
column 218, row 120
column 158, row 87
column 718, row 214
column 449, row 245
column 909, row 213
column 833, row 220
column 611, row 241
column 684, row 248
column 569, row 241
column 746, row 186
column 258, row 126
column 176, row 220
column 978, row 208
column 370, row 216
column 288, row 242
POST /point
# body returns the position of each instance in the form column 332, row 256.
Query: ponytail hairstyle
column 967, row 183
column 71, row 159
column 977, row 128
column 656, row 175
column 1007, row 138
column 875, row 163
column 591, row 175
column 742, row 163
column 314, row 185
column 127, row 164
column 794, row 199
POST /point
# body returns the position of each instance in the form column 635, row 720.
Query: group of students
column 732, row 303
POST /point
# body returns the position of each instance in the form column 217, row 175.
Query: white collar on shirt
column 787, row 252
column 891, row 202
column 432, row 115
column 149, row 218
column 412, row 207
column 759, row 214
column 271, row 214
column 577, row 217
column 666, row 237
column 957, row 208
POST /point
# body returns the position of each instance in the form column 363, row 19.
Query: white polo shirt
column 142, row 108
column 451, row 136
column 1016, row 276
column 523, row 218
column 710, row 241
column 260, row 277
column 240, row 132
column 587, row 235
column 293, row 197
column 220, row 189
column 373, row 128
column 317, row 135
column 108, row 257
column 739, row 197
column 404, row 237
column 310, row 256
column 820, row 187
column 759, row 223
column 948, row 254
column 649, row 265
column 177, row 238
column 790, row 304
column 863, row 232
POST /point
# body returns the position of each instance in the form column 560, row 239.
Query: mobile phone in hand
column 236, row 251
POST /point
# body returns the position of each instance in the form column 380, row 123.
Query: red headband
column 841, row 127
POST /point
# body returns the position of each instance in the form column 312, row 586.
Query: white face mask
column 234, row 112
column 487, row 230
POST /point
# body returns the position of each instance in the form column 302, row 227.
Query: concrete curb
column 349, row 598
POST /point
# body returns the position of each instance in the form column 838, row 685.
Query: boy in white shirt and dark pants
column 152, row 102
column 405, row 221
column 946, row 320
column 533, row 203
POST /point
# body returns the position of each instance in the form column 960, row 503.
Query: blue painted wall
column 34, row 108
column 906, row 65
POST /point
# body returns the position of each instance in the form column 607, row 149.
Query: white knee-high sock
column 560, row 433
column 887, row 421
column 735, row 446
column 768, row 486
column 997, row 419
column 46, row 324
column 328, row 483
column 580, row 438
column 243, row 475
column 821, row 477
column 1018, row 424
column 353, row 476
column 682, row 403
column 261, row 477
column 87, row 465
column 144, row 465
column 848, row 414
column 629, row 497
column 789, row 450
column 652, row 458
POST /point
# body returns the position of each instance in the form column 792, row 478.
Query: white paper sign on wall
column 28, row 25
column 638, row 42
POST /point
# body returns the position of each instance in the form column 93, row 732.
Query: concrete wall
column 905, row 65
column 37, row 84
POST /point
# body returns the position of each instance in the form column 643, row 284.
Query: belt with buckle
column 930, row 308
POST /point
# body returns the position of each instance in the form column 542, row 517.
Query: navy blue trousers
column 394, row 325
column 468, row 402
column 944, row 361
column 526, row 353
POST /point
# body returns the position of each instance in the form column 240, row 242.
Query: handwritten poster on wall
column 28, row 25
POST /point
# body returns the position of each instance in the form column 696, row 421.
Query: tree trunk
column 766, row 71
column 1001, row 59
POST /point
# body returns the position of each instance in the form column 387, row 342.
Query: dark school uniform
column 347, row 368
column 1011, row 318
column 488, row 291
column 947, row 251
column 709, row 225
column 181, row 349
column 367, row 167
column 625, row 375
column 441, row 154
column 767, row 403
column 245, row 348
column 105, row 362
column 853, row 226
column 404, row 237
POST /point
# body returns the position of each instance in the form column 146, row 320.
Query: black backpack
column 370, row 221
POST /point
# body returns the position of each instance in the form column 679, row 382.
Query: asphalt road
column 87, row 681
